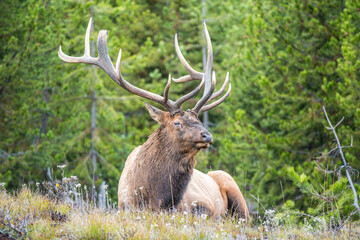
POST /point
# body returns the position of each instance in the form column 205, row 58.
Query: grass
column 45, row 213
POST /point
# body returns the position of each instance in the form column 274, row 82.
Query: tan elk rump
column 160, row 173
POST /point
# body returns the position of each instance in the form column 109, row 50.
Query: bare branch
column 345, row 163
column 328, row 153
column 6, row 155
column 351, row 143
column 351, row 214
column 321, row 168
column 339, row 122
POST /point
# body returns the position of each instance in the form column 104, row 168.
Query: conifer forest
column 288, row 133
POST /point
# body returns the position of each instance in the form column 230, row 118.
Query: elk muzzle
column 207, row 137
column 206, row 140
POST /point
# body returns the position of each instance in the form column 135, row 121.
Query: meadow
column 64, row 211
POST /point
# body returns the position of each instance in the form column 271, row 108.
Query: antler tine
column 190, row 94
column 217, row 102
column 206, row 95
column 166, row 90
column 87, row 37
column 221, row 90
column 86, row 58
column 194, row 75
column 209, row 82
column 118, row 61
column 209, row 61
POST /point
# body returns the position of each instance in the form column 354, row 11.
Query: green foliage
column 332, row 199
column 286, row 60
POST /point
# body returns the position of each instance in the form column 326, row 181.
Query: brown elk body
column 170, row 154
column 160, row 173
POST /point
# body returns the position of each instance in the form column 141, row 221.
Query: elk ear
column 155, row 113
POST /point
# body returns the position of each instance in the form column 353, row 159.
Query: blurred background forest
column 286, row 59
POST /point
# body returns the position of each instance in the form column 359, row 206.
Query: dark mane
column 170, row 171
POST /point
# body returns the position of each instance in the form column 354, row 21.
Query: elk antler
column 209, row 83
column 104, row 62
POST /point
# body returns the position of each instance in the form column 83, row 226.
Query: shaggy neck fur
column 164, row 170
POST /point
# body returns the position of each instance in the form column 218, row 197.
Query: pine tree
column 290, row 59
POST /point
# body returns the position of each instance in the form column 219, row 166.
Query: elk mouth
column 202, row 145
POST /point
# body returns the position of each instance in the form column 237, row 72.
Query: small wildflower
column 269, row 212
column 195, row 223
column 185, row 212
column 172, row 217
column 138, row 218
column 2, row 184
column 61, row 166
column 78, row 185
column 203, row 216
column 106, row 186
column 168, row 224
column 182, row 220
column 74, row 178
column 57, row 185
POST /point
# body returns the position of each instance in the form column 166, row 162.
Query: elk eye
column 177, row 124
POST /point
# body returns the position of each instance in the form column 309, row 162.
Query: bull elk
column 160, row 173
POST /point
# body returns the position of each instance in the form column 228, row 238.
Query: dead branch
column 346, row 165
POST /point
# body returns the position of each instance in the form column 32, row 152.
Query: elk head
column 182, row 127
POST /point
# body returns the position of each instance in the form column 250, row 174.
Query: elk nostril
column 206, row 137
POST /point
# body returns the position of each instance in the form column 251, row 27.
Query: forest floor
column 31, row 214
